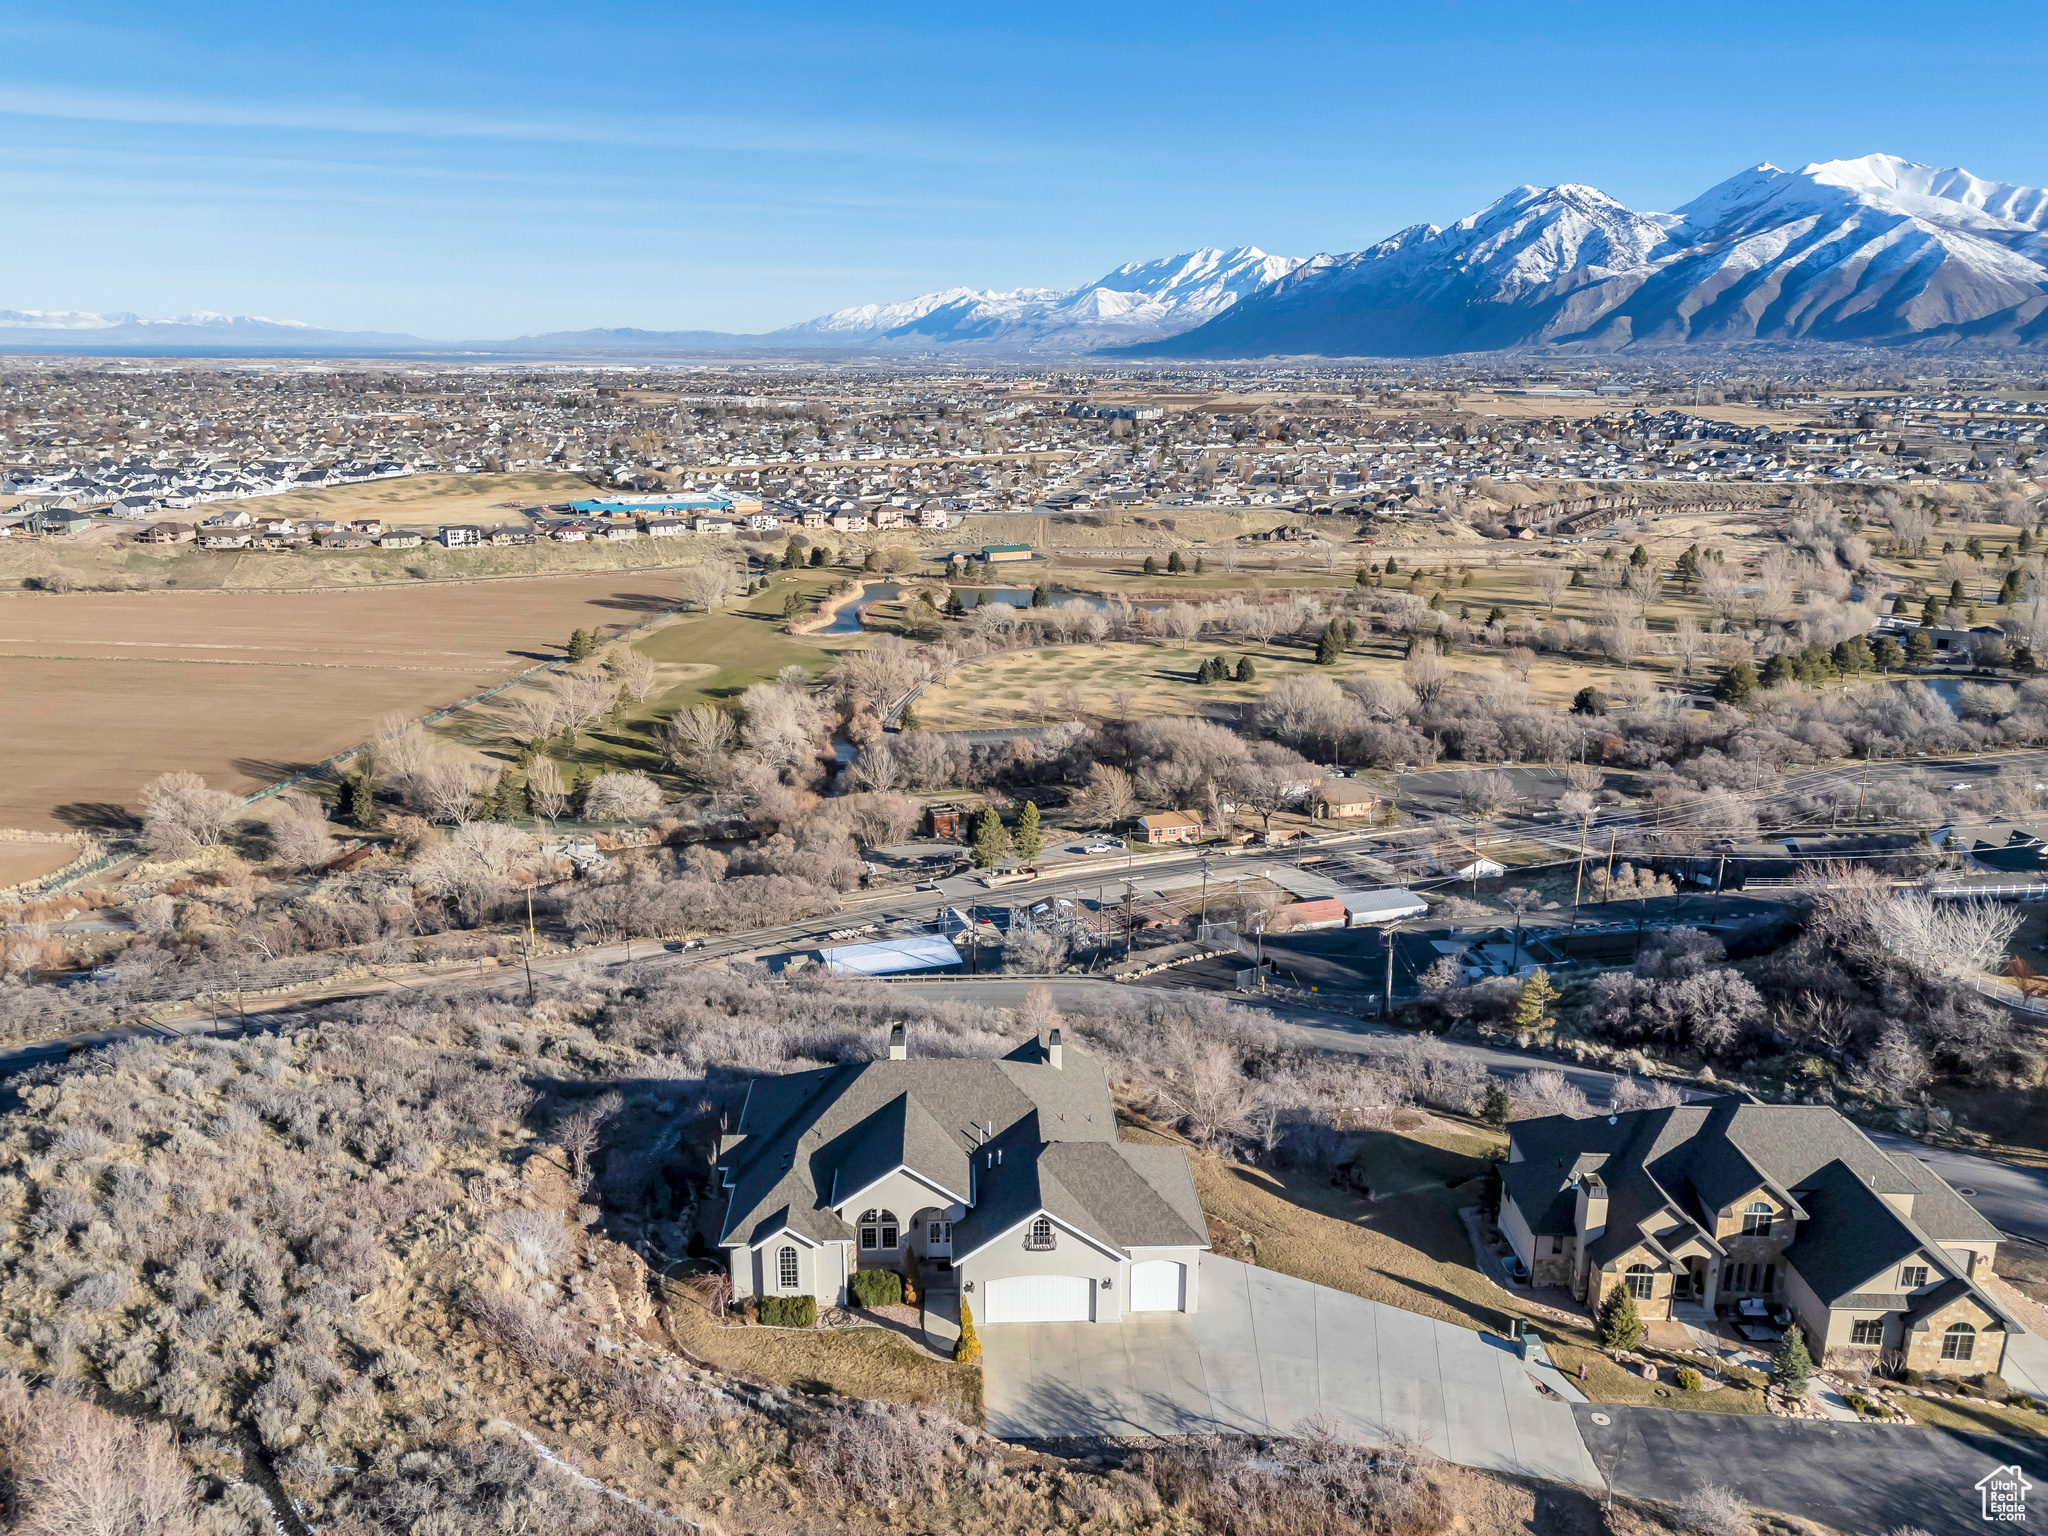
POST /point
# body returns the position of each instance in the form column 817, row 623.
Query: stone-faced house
column 1004, row 1177
column 1712, row 1204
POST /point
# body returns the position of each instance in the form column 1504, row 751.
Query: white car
column 1955, row 787
column 1104, row 848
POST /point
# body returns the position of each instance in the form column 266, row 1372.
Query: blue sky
column 470, row 171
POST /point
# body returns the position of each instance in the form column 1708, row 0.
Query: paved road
column 2012, row 1197
column 1261, row 1352
column 1848, row 1477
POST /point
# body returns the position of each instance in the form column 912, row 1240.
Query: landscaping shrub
column 967, row 1348
column 2020, row 1400
column 877, row 1287
column 1858, row 1402
column 1994, row 1385
column 1687, row 1378
column 1621, row 1325
column 1793, row 1364
column 1911, row 1378
column 789, row 1311
column 875, row 1453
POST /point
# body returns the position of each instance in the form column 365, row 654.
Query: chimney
column 1591, row 1215
column 1053, row 1052
column 898, row 1051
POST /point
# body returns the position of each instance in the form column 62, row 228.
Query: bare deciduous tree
column 181, row 815
column 547, row 789
column 299, row 837
column 622, row 797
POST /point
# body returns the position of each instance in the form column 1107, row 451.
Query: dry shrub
column 80, row 1470
column 1317, row 1485
column 874, row 1453
column 1711, row 1510
column 539, row 1243
column 529, row 1330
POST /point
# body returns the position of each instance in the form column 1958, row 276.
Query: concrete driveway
column 1267, row 1350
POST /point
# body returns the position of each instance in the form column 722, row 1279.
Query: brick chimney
column 898, row 1050
column 1053, row 1052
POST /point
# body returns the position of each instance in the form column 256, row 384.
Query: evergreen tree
column 1175, row 566
column 1027, row 836
column 990, row 841
column 906, row 720
column 1930, row 614
column 1737, row 685
column 1436, row 602
column 792, row 555
column 1899, row 603
column 1151, row 565
column 362, row 800
column 1466, row 579
column 1329, row 646
column 1578, row 577
column 792, row 603
column 1955, row 593
column 1532, row 1003
column 530, row 800
column 1920, row 649
column 580, row 646
column 817, row 554
column 2026, row 541
column 1793, row 1364
column 1886, row 653
column 1246, row 672
column 1621, row 1325
column 1640, row 558
column 1200, row 565
column 1779, row 670
column 487, row 799
column 1041, row 596
column 579, row 793
column 871, row 562
column 1496, row 615
column 1362, row 579
column 955, row 609
column 1689, row 568
column 1852, row 656
column 1589, row 701
column 1498, row 1105
column 1391, row 567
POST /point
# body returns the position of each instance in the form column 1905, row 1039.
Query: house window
column 1958, row 1342
column 1039, row 1238
column 1770, row 1278
column 1756, row 1220
column 1557, row 1245
column 785, row 1263
column 878, row 1229
column 1639, row 1280
column 1867, row 1330
column 1912, row 1277
column 939, row 1233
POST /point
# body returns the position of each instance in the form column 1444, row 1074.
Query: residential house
column 233, row 517
column 461, row 536
column 164, row 533
column 813, row 519
column 1712, row 1204
column 1170, row 827
column 58, row 523
column 511, row 533
column 934, row 517
column 373, row 526
column 618, row 533
column 663, row 527
column 226, row 538
column 1338, row 799
column 762, row 522
column 1005, row 1178
column 346, row 541
column 715, row 525
column 401, row 538
column 850, row 522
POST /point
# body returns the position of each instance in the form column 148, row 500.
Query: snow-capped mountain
column 1875, row 250
column 75, row 328
column 1140, row 301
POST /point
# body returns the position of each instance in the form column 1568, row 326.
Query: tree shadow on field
column 97, row 816
column 636, row 602
column 269, row 770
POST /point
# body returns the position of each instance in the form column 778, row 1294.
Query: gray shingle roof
column 808, row 1141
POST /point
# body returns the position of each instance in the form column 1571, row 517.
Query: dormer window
column 1912, row 1277
column 1756, row 1219
column 1039, row 1238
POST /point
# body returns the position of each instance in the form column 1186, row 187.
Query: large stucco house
column 1004, row 1177
column 1708, row 1205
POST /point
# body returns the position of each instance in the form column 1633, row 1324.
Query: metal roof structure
column 888, row 957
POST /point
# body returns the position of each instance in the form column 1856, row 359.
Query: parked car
column 1104, row 848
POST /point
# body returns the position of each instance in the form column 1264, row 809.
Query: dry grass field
column 31, row 861
column 105, row 690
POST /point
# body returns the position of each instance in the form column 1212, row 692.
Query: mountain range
column 1876, row 251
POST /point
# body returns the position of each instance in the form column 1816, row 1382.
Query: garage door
column 1159, row 1285
column 1041, row 1299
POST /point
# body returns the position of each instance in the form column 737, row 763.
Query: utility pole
column 1612, row 834
column 1579, row 880
column 1387, row 986
column 530, row 993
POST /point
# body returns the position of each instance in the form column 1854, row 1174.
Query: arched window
column 785, row 1264
column 1756, row 1219
column 877, row 1230
column 1959, row 1342
column 1039, row 1238
column 1639, row 1279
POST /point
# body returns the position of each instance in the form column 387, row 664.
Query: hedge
column 790, row 1311
column 876, row 1287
